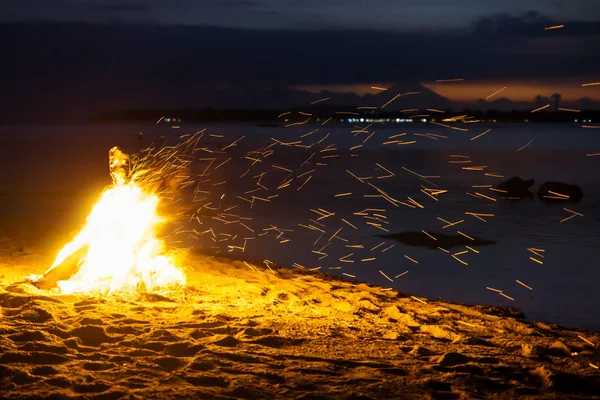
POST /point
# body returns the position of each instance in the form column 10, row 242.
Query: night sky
column 87, row 55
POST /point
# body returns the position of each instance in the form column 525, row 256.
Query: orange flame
column 121, row 252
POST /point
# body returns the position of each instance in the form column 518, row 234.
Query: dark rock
column 420, row 239
column 553, row 192
column 515, row 188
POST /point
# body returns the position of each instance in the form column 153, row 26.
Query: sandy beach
column 247, row 331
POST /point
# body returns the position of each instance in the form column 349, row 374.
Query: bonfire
column 118, row 249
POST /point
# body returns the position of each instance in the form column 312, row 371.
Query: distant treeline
column 336, row 113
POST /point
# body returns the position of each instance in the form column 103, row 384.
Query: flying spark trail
column 504, row 295
column 549, row 28
column 541, row 108
column 320, row 100
column 386, row 277
column 495, row 93
column 524, row 285
column 450, row 80
column 394, row 98
column 480, row 135
column 528, row 143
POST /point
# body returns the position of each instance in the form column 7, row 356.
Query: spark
column 305, row 182
column 568, row 218
column 536, row 252
column 450, row 80
column 335, row 234
column 401, row 275
column 419, row 300
column 495, row 93
column 223, row 163
column 320, row 100
column 385, row 169
column 480, row 135
column 524, row 285
column 298, row 123
column 349, row 275
column 590, row 84
column 465, row 235
column 554, row 27
column 309, row 133
column 349, row 223
column 573, row 212
column 508, row 297
column 379, row 245
column 485, row 196
column 411, row 259
column 568, row 109
column 541, row 108
column 472, row 249
column 449, row 224
column 536, row 260
column 521, row 148
column 593, row 154
column 459, row 260
column 585, row 340
column 387, row 248
column 451, row 127
column 386, row 277
column 395, row 97
column 378, row 88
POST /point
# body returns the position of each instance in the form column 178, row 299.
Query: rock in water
column 551, row 192
column 515, row 188
column 433, row 240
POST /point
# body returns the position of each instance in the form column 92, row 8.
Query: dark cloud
column 381, row 15
column 89, row 67
column 114, row 6
column 531, row 24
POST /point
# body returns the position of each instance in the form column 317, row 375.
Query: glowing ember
column 117, row 249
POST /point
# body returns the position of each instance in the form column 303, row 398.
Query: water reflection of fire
column 117, row 249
